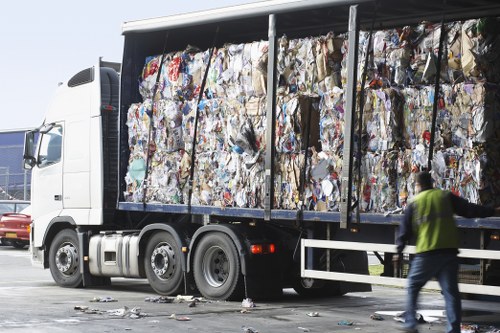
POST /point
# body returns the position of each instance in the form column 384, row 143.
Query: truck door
column 46, row 193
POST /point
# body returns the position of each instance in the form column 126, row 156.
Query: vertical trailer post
column 350, row 111
column 270, row 121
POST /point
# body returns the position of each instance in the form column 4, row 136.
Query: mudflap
column 190, row 285
column 260, row 288
column 354, row 262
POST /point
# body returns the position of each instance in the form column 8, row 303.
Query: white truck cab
column 67, row 163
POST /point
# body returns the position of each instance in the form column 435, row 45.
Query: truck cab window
column 50, row 147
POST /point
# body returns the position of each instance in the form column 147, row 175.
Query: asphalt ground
column 31, row 302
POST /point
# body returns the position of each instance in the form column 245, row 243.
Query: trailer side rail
column 383, row 280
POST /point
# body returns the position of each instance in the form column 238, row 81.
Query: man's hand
column 396, row 263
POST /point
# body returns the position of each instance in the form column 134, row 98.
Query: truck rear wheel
column 64, row 259
column 162, row 261
column 217, row 268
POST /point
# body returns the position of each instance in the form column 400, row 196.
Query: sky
column 47, row 42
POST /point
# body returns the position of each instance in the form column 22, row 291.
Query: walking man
column 429, row 217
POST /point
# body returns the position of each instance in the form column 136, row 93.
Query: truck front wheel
column 162, row 261
column 64, row 260
column 216, row 268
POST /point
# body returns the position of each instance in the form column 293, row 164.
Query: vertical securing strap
column 148, row 153
column 436, row 95
column 195, row 134
column 302, row 183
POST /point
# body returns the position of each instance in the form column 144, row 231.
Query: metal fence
column 14, row 180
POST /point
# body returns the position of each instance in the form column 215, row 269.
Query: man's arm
column 405, row 229
column 464, row 208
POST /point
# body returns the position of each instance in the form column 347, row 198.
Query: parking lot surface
column 31, row 302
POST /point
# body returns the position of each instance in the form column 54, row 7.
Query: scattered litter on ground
column 420, row 319
column 376, row 316
column 159, row 299
column 118, row 312
column 468, row 328
column 179, row 318
column 399, row 318
column 390, row 313
column 247, row 303
column 81, row 307
column 192, row 304
column 104, row 299
column 134, row 313
column 86, row 310
column 475, row 328
column 492, row 329
column 177, row 299
column 304, row 329
column 313, row 314
column 423, row 316
column 245, row 311
column 246, row 329
column 345, row 323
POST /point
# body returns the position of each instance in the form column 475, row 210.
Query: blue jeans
column 444, row 267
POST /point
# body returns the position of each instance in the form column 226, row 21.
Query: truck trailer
column 239, row 151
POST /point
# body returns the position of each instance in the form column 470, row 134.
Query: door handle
column 58, row 197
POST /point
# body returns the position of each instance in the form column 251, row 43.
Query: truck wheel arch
column 225, row 229
column 55, row 226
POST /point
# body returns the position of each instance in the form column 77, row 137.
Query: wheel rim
column 215, row 266
column 67, row 259
column 163, row 261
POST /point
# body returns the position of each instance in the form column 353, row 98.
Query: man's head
column 423, row 181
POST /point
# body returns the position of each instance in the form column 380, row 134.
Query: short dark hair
column 424, row 179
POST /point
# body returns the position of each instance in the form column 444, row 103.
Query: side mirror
column 29, row 160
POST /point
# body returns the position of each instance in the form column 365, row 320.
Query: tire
column 6, row 242
column 64, row 259
column 329, row 289
column 217, row 268
column 162, row 262
column 19, row 244
column 321, row 288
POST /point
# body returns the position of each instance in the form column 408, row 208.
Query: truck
column 239, row 151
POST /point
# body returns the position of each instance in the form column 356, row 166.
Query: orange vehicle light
column 256, row 249
column 262, row 248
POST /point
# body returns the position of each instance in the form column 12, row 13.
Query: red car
column 15, row 229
